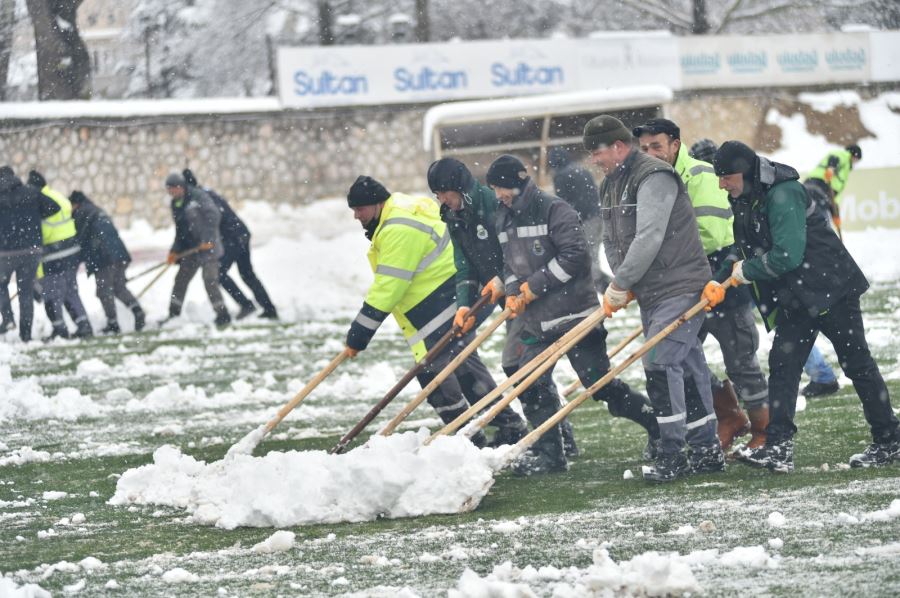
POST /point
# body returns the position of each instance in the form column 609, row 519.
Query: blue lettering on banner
column 329, row 84
column 748, row 62
column 525, row 75
column 799, row 61
column 701, row 64
column 846, row 60
column 429, row 80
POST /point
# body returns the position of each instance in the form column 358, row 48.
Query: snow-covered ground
column 128, row 398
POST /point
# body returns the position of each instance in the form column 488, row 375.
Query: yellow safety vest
column 411, row 256
column 60, row 226
column 711, row 207
column 839, row 175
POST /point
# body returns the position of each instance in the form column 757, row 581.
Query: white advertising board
column 774, row 60
column 885, row 55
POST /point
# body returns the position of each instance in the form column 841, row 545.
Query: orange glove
column 351, row 353
column 714, row 293
column 837, row 222
column 515, row 304
column 170, row 259
column 615, row 299
column 495, row 288
column 463, row 320
column 829, row 174
column 527, row 294
column 206, row 246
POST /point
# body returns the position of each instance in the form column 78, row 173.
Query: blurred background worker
column 828, row 179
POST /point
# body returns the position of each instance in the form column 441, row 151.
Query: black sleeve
column 46, row 206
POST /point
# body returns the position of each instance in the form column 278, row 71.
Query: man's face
column 365, row 214
column 451, row 199
column 660, row 146
column 733, row 183
column 175, row 192
column 504, row 195
column 609, row 157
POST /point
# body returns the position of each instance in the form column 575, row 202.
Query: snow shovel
column 535, row 434
column 147, row 271
column 167, row 265
column 554, row 352
column 249, row 442
column 445, row 373
column 401, row 384
column 616, row 350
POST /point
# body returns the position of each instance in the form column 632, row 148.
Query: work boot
column 667, row 468
column 508, row 435
column 732, row 420
column 222, row 318
column 650, row 450
column 568, row 438
column 877, row 454
column 246, row 310
column 820, row 389
column 269, row 314
column 778, row 457
column 7, row 325
column 759, row 419
column 537, row 462
column 707, row 459
column 112, row 327
column 84, row 330
column 58, row 332
column 140, row 319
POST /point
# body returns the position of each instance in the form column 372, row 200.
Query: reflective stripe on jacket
column 412, row 258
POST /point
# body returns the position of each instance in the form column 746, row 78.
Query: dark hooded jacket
column 101, row 245
column 197, row 221
column 574, row 184
column 22, row 208
column 794, row 260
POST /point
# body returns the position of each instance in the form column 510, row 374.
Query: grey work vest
column 680, row 267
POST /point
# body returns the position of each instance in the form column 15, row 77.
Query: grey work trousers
column 111, row 286
column 679, row 355
column 735, row 330
column 24, row 264
column 187, row 267
column 60, row 290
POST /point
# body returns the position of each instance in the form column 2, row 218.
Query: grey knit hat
column 605, row 130
column 175, row 180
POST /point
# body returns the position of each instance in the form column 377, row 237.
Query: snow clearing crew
column 652, row 244
column 547, row 282
column 804, row 281
column 828, row 179
column 411, row 256
column 732, row 323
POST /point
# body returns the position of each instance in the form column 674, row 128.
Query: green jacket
column 840, row 164
column 476, row 249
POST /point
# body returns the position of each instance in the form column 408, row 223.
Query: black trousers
column 794, row 338
column 239, row 253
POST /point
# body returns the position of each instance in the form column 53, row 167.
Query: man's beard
column 369, row 228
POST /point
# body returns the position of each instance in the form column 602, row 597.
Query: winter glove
column 737, row 274
column 351, row 353
column 495, row 288
column 615, row 299
column 527, row 294
column 463, row 320
column 171, row 259
column 515, row 304
column 714, row 293
column 205, row 246
column 829, row 174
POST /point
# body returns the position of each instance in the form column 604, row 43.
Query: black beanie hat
column 77, row 197
column 703, row 149
column 605, row 130
column 175, row 180
column 189, row 177
column 366, row 191
column 855, row 151
column 449, row 174
column 734, row 157
column 507, row 172
column 36, row 179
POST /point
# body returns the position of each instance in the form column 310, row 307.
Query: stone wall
column 295, row 157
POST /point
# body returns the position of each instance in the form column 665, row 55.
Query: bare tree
column 7, row 25
column 64, row 65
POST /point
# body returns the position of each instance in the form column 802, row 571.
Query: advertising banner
column 871, row 199
column 774, row 60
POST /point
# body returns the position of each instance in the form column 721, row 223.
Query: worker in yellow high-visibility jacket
column 412, row 258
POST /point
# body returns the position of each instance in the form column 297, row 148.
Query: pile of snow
column 280, row 541
column 23, row 398
column 390, row 477
column 10, row 589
